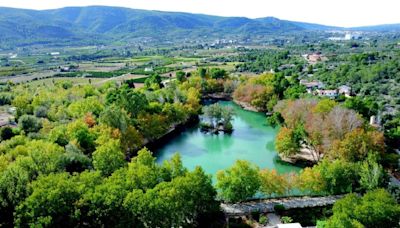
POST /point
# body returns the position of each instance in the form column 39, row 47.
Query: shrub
column 263, row 220
column 6, row 133
column 29, row 123
column 286, row 219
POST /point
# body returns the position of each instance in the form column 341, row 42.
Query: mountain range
column 103, row 23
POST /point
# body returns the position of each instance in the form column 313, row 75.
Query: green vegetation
column 76, row 155
column 129, row 197
column 238, row 183
column 218, row 118
column 375, row 209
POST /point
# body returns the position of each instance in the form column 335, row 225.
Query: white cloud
column 329, row 12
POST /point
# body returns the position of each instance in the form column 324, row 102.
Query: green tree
column 339, row 176
column 272, row 182
column 131, row 140
column 115, row 117
column 295, row 92
column 365, row 106
column 131, row 100
column 371, row 174
column 143, row 172
column 51, row 202
column 239, row 182
column 36, row 158
column 80, row 132
column 74, row 160
column 173, row 168
column 180, row 76
column 217, row 73
column 29, row 124
column 88, row 105
column 153, row 82
column 175, row 203
column 108, row 157
column 375, row 209
column 13, row 189
column 59, row 135
column 202, row 72
column 6, row 133
column 287, row 142
column 152, row 126
column 102, row 205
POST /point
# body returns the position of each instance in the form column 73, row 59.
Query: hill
column 96, row 24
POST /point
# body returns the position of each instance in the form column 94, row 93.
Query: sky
column 346, row 13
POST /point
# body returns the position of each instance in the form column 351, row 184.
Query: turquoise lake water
column 252, row 140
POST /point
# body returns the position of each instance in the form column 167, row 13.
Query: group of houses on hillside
column 317, row 88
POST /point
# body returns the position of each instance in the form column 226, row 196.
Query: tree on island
column 217, row 118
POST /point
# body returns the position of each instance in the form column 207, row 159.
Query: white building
column 345, row 90
column 289, row 225
column 327, row 93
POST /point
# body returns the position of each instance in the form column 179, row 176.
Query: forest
column 76, row 152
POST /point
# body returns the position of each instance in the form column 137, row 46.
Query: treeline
column 70, row 152
column 36, row 191
column 244, row 181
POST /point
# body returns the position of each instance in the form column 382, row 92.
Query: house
column 148, row 69
column 314, row 57
column 328, row 93
column 311, row 86
column 345, row 90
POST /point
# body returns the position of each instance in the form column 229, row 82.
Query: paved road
column 27, row 77
column 267, row 206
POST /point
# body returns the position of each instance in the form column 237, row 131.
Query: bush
column 41, row 112
column 275, row 119
column 286, row 219
column 74, row 160
column 5, row 98
column 6, row 133
column 29, row 123
column 263, row 220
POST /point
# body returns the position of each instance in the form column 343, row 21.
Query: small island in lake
column 217, row 118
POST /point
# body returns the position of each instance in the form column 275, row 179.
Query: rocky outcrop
column 218, row 96
column 247, row 106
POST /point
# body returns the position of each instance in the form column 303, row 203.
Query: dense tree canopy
column 375, row 209
column 238, row 183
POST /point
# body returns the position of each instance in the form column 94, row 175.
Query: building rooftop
column 289, row 225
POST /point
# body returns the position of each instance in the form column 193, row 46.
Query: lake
column 252, row 139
